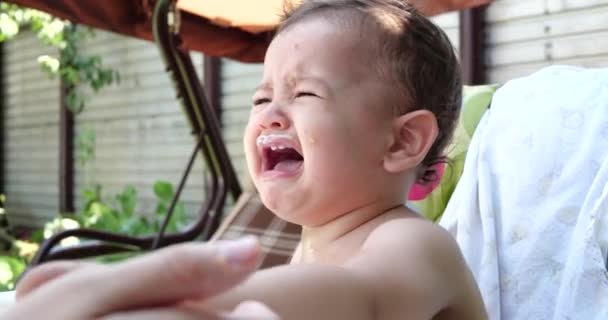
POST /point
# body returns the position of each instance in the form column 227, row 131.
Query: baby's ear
column 412, row 136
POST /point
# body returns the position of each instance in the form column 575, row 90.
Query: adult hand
column 153, row 286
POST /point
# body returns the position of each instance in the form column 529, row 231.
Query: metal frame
column 66, row 154
column 472, row 53
column 2, row 122
column 205, row 126
column 212, row 83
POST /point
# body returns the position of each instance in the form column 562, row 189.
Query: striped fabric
column 278, row 238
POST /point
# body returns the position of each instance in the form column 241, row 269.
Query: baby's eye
column 260, row 101
column 305, row 94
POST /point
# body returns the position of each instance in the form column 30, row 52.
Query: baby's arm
column 306, row 291
column 408, row 269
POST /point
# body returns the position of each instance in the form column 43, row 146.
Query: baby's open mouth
column 280, row 154
column 281, row 159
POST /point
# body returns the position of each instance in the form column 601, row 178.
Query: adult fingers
column 249, row 310
column 40, row 275
column 162, row 314
column 253, row 310
column 173, row 274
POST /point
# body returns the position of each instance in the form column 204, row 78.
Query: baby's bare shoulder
column 419, row 261
column 412, row 237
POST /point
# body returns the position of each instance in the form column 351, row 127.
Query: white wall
column 31, row 133
column 523, row 36
column 450, row 23
column 142, row 133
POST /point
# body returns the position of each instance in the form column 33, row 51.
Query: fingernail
column 240, row 253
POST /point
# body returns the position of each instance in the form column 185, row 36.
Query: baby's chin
column 286, row 209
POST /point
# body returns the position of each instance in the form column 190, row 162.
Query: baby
column 357, row 102
column 358, row 99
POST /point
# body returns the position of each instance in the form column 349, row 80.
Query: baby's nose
column 274, row 119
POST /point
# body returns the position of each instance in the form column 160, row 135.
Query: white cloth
column 530, row 212
column 7, row 298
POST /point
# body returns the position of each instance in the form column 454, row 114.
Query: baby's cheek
column 250, row 148
column 310, row 138
column 250, row 133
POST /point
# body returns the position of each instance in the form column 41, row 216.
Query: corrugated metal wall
column 31, row 133
column 239, row 81
column 142, row 134
column 523, row 36
column 238, row 84
column 450, row 23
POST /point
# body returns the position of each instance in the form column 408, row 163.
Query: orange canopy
column 237, row 29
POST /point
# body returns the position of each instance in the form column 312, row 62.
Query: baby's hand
column 152, row 286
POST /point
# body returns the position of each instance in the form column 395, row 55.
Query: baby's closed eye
column 260, row 101
column 305, row 94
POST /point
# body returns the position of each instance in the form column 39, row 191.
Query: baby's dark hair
column 414, row 53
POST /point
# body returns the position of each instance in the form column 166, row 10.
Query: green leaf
column 10, row 269
column 74, row 102
column 71, row 76
column 37, row 236
column 163, row 190
column 104, row 218
column 85, row 145
column 135, row 226
column 161, row 208
column 179, row 219
column 91, row 194
column 127, row 200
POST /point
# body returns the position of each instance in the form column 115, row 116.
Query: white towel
column 530, row 212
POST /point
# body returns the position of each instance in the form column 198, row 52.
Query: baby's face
column 320, row 126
